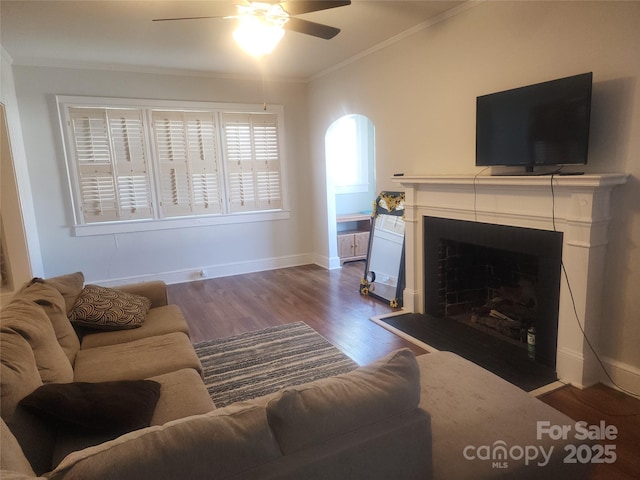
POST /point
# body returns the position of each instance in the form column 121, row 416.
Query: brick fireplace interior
column 497, row 279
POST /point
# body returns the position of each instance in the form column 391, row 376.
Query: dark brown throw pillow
column 114, row 407
column 109, row 309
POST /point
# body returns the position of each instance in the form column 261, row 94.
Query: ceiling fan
column 283, row 15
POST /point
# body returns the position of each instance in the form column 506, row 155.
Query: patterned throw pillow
column 109, row 309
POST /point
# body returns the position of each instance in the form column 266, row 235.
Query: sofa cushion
column 31, row 322
column 136, row 360
column 69, row 286
column 315, row 412
column 159, row 321
column 53, row 304
column 154, row 290
column 109, row 309
column 111, row 407
column 182, row 394
column 217, row 445
column 472, row 407
column 18, row 378
column 12, row 457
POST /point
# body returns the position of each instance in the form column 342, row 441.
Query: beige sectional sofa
column 400, row 417
column 365, row 424
column 39, row 345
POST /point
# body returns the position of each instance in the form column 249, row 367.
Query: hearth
column 502, row 280
column 577, row 206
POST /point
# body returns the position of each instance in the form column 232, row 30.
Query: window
column 111, row 163
column 141, row 162
column 253, row 161
column 187, row 157
column 347, row 151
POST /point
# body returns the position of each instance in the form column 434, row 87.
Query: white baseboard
column 322, row 261
column 335, row 263
column 214, row 271
column 411, row 300
column 625, row 376
column 570, row 370
column 330, row 263
column 569, row 367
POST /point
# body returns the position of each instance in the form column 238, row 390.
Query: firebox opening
column 499, row 279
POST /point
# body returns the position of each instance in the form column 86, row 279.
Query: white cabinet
column 353, row 236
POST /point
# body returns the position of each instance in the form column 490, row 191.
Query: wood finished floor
column 598, row 403
column 329, row 302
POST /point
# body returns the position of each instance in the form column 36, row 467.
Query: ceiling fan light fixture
column 260, row 29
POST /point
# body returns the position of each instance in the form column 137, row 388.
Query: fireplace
column 499, row 279
column 575, row 209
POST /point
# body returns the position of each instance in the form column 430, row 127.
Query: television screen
column 542, row 124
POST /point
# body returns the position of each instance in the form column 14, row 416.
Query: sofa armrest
column 156, row 291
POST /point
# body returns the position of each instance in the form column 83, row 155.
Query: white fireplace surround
column 578, row 206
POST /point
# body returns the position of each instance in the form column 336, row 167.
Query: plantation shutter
column 188, row 158
column 203, row 156
column 132, row 174
column 113, row 178
column 267, row 163
column 252, row 161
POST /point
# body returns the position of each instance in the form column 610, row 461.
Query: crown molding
column 469, row 4
column 50, row 63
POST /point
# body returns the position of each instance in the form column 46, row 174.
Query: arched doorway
column 351, row 185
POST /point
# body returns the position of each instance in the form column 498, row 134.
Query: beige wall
column 176, row 254
column 420, row 93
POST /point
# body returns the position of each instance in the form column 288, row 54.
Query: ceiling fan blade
column 184, row 18
column 298, row 7
column 311, row 28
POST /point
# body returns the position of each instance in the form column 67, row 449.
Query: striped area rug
column 253, row 364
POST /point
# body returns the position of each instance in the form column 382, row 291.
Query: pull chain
column 264, row 95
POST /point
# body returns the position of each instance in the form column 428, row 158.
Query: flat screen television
column 546, row 124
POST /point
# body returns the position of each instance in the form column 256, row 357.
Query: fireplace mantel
column 577, row 205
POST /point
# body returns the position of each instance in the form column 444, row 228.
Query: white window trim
column 180, row 222
column 66, row 102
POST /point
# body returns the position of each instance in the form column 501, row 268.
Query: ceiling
column 120, row 35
